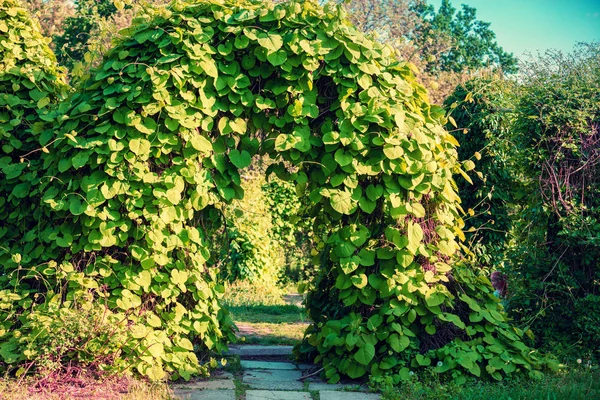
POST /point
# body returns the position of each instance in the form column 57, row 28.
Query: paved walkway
column 262, row 379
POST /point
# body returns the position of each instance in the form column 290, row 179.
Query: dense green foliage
column 253, row 251
column 482, row 112
column 113, row 233
column 72, row 42
column 143, row 157
column 543, row 143
column 262, row 238
column 292, row 229
column 29, row 83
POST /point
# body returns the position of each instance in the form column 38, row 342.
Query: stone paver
column 224, row 381
column 220, row 374
column 256, row 350
column 333, row 395
column 273, row 379
column 329, row 386
column 270, row 380
column 206, row 395
column 247, row 364
column 276, row 395
column 206, row 385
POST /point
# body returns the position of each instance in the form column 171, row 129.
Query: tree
column 473, row 46
column 51, row 14
column 446, row 47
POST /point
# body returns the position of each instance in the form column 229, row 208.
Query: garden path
column 267, row 373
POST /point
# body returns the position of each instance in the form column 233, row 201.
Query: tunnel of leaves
column 133, row 165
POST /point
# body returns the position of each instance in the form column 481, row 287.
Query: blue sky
column 537, row 25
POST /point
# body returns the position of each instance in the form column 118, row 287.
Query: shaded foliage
column 292, row 229
column 557, row 236
column 482, row 110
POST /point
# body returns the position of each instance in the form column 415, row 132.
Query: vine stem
column 303, row 377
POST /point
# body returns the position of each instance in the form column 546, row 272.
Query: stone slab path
column 263, row 379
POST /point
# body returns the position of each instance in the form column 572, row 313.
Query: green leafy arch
column 140, row 156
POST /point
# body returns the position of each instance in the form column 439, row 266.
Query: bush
column 56, row 334
column 557, row 251
column 254, row 253
column 539, row 177
column 292, row 229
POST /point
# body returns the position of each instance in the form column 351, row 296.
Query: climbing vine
column 140, row 158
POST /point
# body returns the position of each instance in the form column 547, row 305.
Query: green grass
column 244, row 293
column 288, row 314
column 270, row 325
column 274, row 334
column 573, row 384
column 266, row 315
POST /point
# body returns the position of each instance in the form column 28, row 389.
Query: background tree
column 447, row 47
column 51, row 14
column 73, row 42
column 83, row 27
column 473, row 43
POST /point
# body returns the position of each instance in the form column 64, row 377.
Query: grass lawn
column 270, row 325
column 280, row 319
column 576, row 383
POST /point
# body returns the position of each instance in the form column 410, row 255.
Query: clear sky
column 523, row 26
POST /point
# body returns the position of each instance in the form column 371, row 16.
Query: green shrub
column 557, row 251
column 539, row 177
column 56, row 334
column 30, row 83
column 254, row 253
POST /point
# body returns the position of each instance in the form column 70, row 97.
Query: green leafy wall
column 141, row 156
